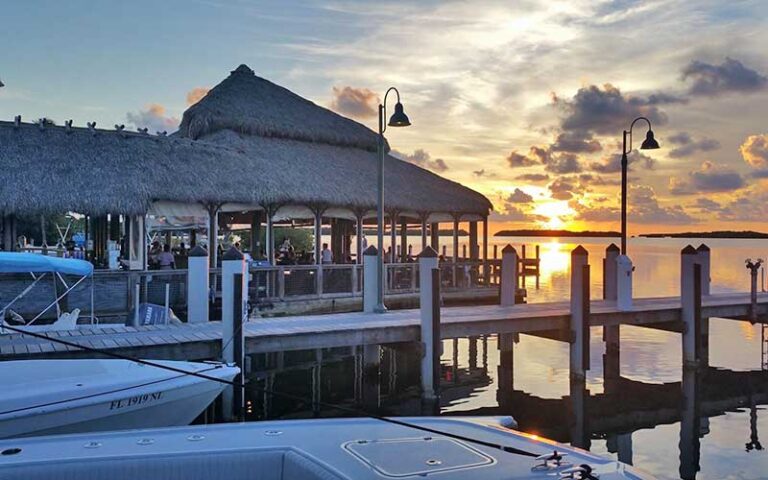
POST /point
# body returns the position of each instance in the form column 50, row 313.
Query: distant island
column 555, row 233
column 716, row 234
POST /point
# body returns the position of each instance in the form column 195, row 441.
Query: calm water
column 640, row 417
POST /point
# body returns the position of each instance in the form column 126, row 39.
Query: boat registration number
column 135, row 400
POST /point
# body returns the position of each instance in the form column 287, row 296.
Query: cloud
column 512, row 213
column 587, row 213
column 515, row 160
column 691, row 147
column 644, row 208
column 562, row 163
column 709, row 178
column 576, row 142
column 730, row 76
column 519, row 196
column 706, row 205
column 754, row 151
column 606, row 111
column 563, row 188
column 587, row 179
column 152, row 117
column 423, row 159
column 533, row 177
column 355, row 102
column 612, row 163
column 680, row 138
column 196, row 94
column 479, row 173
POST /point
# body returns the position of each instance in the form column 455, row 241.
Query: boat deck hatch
column 416, row 456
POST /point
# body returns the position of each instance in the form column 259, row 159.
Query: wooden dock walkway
column 203, row 341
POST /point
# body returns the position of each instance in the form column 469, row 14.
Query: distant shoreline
column 715, row 234
column 556, row 233
column 725, row 234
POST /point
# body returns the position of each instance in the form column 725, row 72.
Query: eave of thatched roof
column 56, row 169
column 246, row 103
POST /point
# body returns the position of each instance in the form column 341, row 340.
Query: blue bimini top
column 17, row 262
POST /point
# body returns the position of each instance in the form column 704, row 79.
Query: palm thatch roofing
column 246, row 103
column 247, row 142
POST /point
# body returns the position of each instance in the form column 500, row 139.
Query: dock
column 203, row 341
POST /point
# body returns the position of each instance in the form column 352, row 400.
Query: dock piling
column 703, row 258
column 233, row 264
column 690, row 289
column 579, row 351
column 508, row 276
column 611, row 333
column 429, row 303
column 197, row 285
column 238, row 405
column 370, row 279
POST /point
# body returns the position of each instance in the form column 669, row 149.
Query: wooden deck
column 345, row 329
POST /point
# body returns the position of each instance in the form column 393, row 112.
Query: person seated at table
column 165, row 260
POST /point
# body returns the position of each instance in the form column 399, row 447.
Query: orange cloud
column 754, row 150
column 196, row 94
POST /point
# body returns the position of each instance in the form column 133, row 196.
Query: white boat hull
column 330, row 449
column 171, row 400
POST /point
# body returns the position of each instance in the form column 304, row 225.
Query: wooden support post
column 318, row 234
column 370, row 279
column 689, row 286
column 403, row 239
column 197, row 285
column 233, row 264
column 256, row 219
column 508, row 288
column 486, row 270
column 269, row 236
column 753, row 267
column 359, row 238
column 213, row 235
column 238, row 315
column 703, row 258
column 429, row 302
column 611, row 333
column 506, row 368
column 579, row 351
column 424, row 243
column 393, row 238
column 434, row 232
column 455, row 248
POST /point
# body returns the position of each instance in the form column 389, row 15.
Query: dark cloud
column 590, row 180
column 533, row 177
column 512, row 213
column 423, row 159
column 606, row 110
column 679, row 138
column 759, row 173
column 562, row 163
column 644, row 208
column 563, row 188
column 596, row 214
column 612, row 163
column 706, row 205
column 355, row 102
column 576, row 142
column 703, row 145
column 729, row 76
column 754, row 151
column 709, row 178
column 154, row 118
column 519, row 196
column 515, row 160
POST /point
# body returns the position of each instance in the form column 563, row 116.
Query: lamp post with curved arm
column 649, row 143
column 398, row 119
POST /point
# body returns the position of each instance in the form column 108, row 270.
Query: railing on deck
column 115, row 291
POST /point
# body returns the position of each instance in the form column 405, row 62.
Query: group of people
column 162, row 257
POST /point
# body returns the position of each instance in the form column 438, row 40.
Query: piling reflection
column 478, row 378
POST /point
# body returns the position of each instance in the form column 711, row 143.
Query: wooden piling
column 508, row 276
column 579, row 345
column 690, row 299
column 238, row 406
column 429, row 303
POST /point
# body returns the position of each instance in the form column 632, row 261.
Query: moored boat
column 42, row 397
column 329, row 449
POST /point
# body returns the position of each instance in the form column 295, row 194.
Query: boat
column 443, row 448
column 41, row 267
column 42, row 397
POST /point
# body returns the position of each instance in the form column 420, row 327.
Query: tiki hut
column 250, row 147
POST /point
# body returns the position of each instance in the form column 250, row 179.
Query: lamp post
column 398, row 119
column 649, row 143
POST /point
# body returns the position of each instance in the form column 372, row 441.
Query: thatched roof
column 55, row 169
column 248, row 141
column 249, row 104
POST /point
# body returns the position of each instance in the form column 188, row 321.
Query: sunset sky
column 524, row 101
